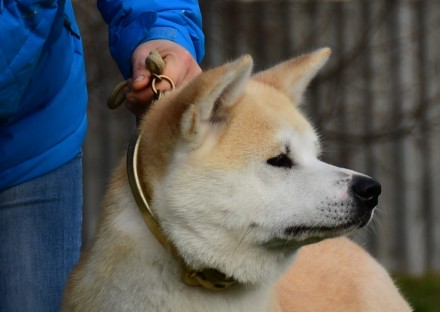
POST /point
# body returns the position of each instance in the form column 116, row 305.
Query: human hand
column 180, row 66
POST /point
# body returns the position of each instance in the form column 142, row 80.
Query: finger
column 137, row 101
column 143, row 95
column 141, row 75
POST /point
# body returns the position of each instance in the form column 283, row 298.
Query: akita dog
column 223, row 187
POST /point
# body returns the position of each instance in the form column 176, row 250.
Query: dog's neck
column 211, row 279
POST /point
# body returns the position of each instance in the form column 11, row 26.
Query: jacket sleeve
column 132, row 22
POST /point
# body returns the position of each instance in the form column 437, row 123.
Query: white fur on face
column 312, row 199
column 226, row 201
column 248, row 221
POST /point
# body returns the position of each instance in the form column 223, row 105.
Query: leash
column 156, row 65
column 211, row 279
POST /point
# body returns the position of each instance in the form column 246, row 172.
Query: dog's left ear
column 211, row 95
column 292, row 77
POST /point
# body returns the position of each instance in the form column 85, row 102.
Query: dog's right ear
column 211, row 95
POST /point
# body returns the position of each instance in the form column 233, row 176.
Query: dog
column 224, row 205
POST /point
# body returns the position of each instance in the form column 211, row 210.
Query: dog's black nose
column 366, row 190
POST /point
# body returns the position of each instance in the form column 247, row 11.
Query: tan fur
column 346, row 276
column 216, row 131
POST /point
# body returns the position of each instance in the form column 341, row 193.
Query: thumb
column 141, row 76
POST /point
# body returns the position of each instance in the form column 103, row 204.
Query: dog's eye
column 281, row 160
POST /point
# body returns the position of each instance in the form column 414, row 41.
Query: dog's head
column 234, row 171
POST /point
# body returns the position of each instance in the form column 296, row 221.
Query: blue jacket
column 132, row 22
column 43, row 95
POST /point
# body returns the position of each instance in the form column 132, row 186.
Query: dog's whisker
column 242, row 239
column 374, row 226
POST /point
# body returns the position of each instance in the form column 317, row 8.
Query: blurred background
column 376, row 104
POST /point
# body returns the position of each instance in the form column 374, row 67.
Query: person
column 43, row 121
column 135, row 31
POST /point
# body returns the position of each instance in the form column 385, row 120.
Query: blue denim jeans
column 40, row 239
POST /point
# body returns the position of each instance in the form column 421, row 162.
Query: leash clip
column 158, row 78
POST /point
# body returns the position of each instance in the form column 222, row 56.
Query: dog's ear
column 211, row 95
column 293, row 76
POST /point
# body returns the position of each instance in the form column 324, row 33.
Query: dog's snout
column 366, row 190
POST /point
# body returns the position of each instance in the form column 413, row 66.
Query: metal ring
column 160, row 78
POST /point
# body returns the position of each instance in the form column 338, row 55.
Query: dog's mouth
column 297, row 236
column 320, row 231
column 323, row 231
column 333, row 230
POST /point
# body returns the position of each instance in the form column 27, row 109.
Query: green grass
column 423, row 293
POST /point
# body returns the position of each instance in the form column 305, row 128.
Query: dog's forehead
column 263, row 124
column 268, row 112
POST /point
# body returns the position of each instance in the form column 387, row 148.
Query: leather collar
column 211, row 279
